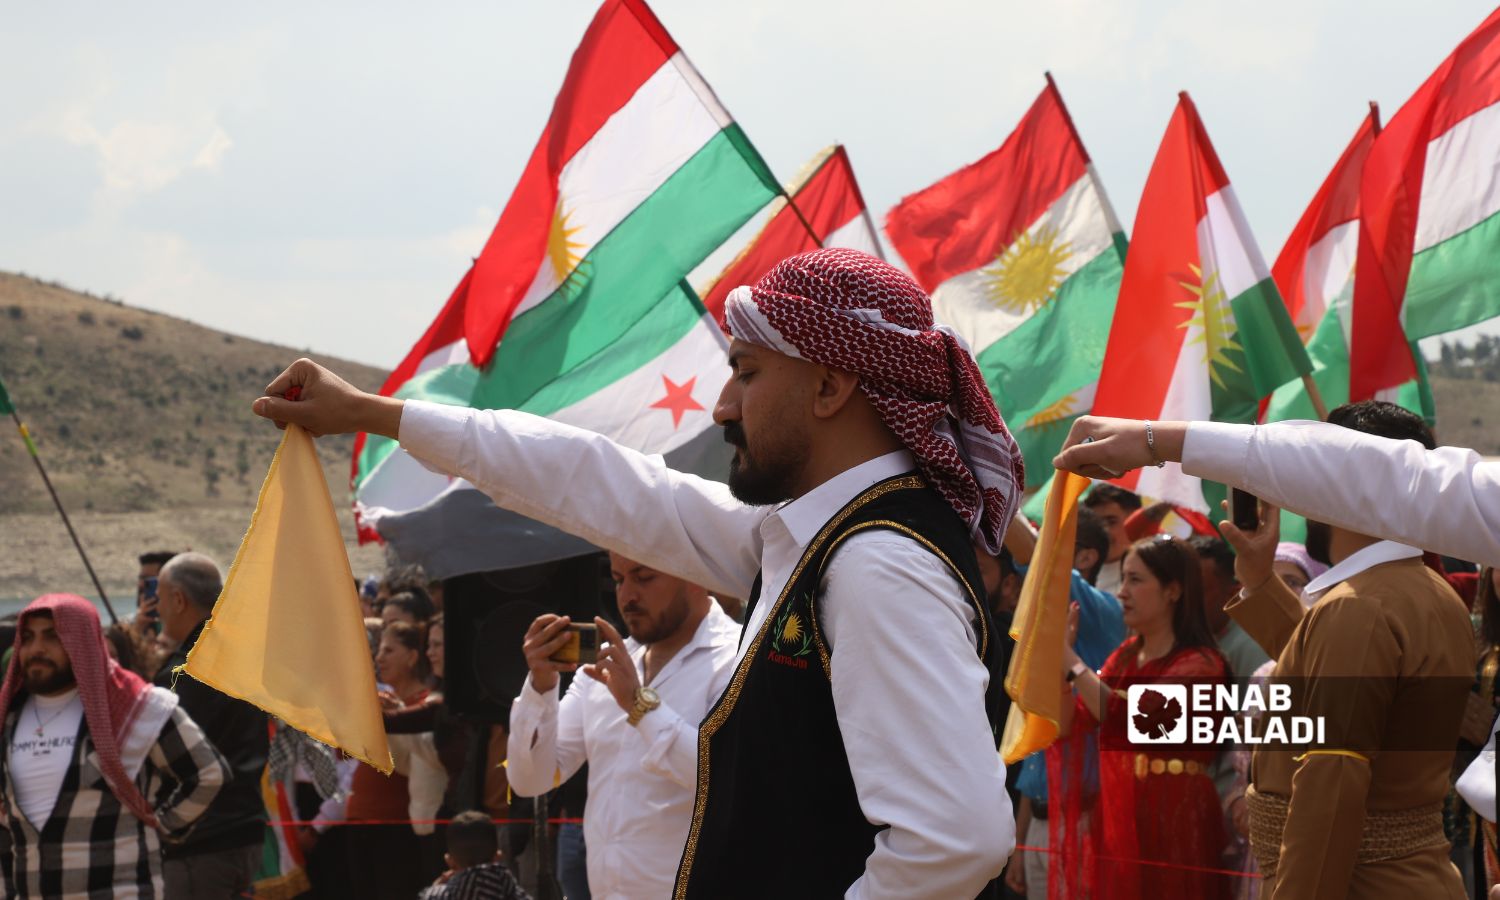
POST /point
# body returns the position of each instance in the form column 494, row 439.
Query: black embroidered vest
column 776, row 814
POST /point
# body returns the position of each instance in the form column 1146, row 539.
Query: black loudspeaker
column 485, row 618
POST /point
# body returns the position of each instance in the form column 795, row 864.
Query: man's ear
column 832, row 391
column 448, row 861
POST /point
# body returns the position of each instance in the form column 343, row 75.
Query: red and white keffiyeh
column 851, row 311
column 114, row 698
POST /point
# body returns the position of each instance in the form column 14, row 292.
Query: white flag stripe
column 1327, row 271
column 1226, row 246
column 627, row 160
column 1461, row 181
column 965, row 301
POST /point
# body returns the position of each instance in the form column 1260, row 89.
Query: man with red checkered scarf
column 854, row 752
column 99, row 767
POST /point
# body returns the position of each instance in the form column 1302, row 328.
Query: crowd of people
column 833, row 731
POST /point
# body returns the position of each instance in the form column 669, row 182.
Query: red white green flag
column 579, row 309
column 829, row 211
column 1200, row 331
column 1022, row 254
column 1429, row 252
column 1315, row 274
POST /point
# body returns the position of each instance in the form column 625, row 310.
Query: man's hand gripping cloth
column 851, row 311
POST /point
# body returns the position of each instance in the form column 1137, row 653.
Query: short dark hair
column 1385, row 420
column 1092, row 535
column 472, row 840
column 1216, row 549
column 156, row 558
column 1104, row 493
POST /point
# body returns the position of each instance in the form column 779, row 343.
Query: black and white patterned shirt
column 491, row 881
column 92, row 846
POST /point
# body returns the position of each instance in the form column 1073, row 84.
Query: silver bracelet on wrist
column 1151, row 446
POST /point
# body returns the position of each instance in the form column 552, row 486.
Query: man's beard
column 659, row 628
column 48, row 678
column 1319, row 539
column 770, row 479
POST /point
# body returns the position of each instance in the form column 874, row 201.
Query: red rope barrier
column 1158, row 864
column 329, row 823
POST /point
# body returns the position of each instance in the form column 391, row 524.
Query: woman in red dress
column 1157, row 822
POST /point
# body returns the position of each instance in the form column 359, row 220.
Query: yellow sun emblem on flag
column 1054, row 413
column 1214, row 316
column 1029, row 272
column 792, row 630
column 562, row 251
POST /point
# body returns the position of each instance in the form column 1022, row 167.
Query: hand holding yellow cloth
column 1040, row 627
column 286, row 633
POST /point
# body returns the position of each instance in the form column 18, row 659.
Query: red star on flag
column 679, row 399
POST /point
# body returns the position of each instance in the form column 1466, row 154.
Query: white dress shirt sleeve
column 908, row 688
column 589, row 486
column 1446, row 500
column 672, row 741
column 545, row 746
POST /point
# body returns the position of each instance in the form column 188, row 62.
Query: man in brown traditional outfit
column 1385, row 655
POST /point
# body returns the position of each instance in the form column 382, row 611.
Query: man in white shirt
column 854, row 751
column 633, row 719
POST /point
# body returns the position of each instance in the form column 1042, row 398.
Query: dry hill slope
column 143, row 421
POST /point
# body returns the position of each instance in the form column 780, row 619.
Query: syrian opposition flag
column 1022, row 254
column 1429, row 253
column 578, row 308
column 1315, row 274
column 826, row 210
column 1200, row 331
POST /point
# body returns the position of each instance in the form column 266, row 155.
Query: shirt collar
column 805, row 515
column 1357, row 562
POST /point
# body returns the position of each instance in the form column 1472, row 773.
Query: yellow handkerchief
column 286, row 633
column 1040, row 626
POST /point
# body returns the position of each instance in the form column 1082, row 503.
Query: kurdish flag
column 1200, row 331
column 1315, row 274
column 1429, row 252
column 578, row 309
column 1022, row 254
column 827, row 202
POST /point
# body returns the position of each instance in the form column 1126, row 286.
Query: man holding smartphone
column 633, row 718
column 146, row 587
column 863, row 712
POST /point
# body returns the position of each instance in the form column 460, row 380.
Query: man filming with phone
column 633, row 718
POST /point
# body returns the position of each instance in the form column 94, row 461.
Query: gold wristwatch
column 645, row 700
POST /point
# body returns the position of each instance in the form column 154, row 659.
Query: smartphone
column 149, row 593
column 1244, row 510
column 582, row 646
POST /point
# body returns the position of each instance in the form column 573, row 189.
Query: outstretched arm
column 1306, row 467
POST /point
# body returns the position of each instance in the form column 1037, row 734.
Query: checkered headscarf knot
column 851, row 311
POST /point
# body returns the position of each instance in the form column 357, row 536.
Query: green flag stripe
column 1456, row 283
column 663, row 325
column 1273, row 352
column 624, row 276
column 5, row 404
column 1055, row 352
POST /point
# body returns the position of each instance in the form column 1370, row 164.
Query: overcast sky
column 320, row 174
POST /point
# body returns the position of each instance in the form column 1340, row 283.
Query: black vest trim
column 717, row 716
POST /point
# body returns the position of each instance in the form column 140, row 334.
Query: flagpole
column 31, row 448
column 1316, row 397
column 801, row 218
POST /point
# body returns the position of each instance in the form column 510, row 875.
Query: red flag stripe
column 1335, row 203
column 829, row 200
column 446, row 329
column 624, row 45
column 1144, row 341
column 1390, row 197
column 967, row 219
